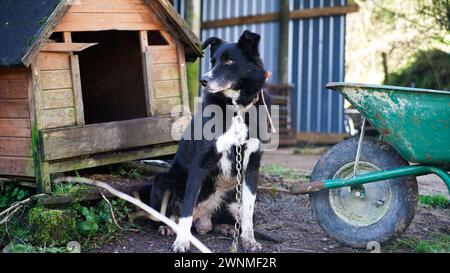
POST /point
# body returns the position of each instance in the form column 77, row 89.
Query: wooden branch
column 271, row 17
column 137, row 203
column 66, row 47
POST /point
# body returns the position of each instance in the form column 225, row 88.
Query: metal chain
column 237, row 224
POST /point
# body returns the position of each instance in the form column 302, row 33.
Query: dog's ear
column 249, row 43
column 214, row 42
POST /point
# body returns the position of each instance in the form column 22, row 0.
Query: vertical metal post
column 358, row 151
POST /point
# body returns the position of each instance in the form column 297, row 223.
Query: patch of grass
column 438, row 243
column 311, row 150
column 435, row 201
column 281, row 171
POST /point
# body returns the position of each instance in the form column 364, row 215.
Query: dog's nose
column 204, row 81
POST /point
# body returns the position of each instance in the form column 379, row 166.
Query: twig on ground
column 114, row 217
column 15, row 207
column 137, row 203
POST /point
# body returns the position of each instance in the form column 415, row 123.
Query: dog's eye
column 228, row 61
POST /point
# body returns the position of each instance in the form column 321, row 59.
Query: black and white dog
column 203, row 172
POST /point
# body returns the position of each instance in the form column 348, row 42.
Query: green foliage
column 281, row 171
column 28, row 248
column 12, row 193
column 438, row 243
column 96, row 222
column 430, row 69
column 435, row 201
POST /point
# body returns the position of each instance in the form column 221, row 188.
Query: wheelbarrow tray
column 416, row 122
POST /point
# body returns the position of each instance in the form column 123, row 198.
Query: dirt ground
column 289, row 218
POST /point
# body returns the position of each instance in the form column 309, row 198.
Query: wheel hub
column 361, row 205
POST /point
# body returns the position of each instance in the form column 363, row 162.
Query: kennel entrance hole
column 112, row 80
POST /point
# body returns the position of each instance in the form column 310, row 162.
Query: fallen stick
column 137, row 203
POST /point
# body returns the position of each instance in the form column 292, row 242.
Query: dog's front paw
column 181, row 245
column 166, row 231
column 251, row 245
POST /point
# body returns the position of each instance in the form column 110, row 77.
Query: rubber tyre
column 404, row 194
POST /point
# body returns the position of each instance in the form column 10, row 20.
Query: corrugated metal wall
column 316, row 55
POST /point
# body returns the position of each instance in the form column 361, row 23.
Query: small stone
column 324, row 239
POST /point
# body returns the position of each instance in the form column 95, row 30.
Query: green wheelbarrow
column 365, row 189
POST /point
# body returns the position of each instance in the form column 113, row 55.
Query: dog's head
column 236, row 70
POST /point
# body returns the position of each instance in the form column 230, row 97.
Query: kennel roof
column 25, row 24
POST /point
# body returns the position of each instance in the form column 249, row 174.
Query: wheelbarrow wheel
column 376, row 211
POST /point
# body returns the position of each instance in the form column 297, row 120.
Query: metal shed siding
column 317, row 50
column 316, row 55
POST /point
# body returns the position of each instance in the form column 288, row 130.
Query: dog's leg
column 193, row 185
column 252, row 158
column 248, row 205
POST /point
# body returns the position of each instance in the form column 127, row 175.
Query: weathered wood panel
column 147, row 69
column 108, row 21
column 55, row 79
column 21, row 166
column 15, row 146
column 53, row 61
column 113, row 157
column 66, row 47
column 13, row 89
column 108, row 6
column 164, row 72
column 12, row 73
column 54, row 118
column 165, row 106
column 164, row 54
column 59, row 98
column 14, row 109
column 77, row 93
column 164, row 89
column 15, row 128
column 105, row 137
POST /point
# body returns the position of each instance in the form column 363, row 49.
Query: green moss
column 51, row 226
column 76, row 192
column 435, row 201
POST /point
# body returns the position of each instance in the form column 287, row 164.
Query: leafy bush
column 430, row 69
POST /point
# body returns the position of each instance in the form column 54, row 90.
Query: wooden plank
column 147, row 69
column 14, row 109
column 108, row 6
column 183, row 80
column 113, row 158
column 55, row 79
column 66, row 47
column 20, row 166
column 15, row 128
column 62, row 117
column 164, row 89
column 271, row 17
column 10, row 146
column 108, row 21
column 165, row 106
column 163, row 72
column 78, row 96
column 321, row 12
column 321, row 138
column 105, row 137
column 53, row 61
column 164, row 54
column 12, row 73
column 59, row 98
column 13, row 89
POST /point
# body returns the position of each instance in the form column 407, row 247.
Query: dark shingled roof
column 20, row 22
